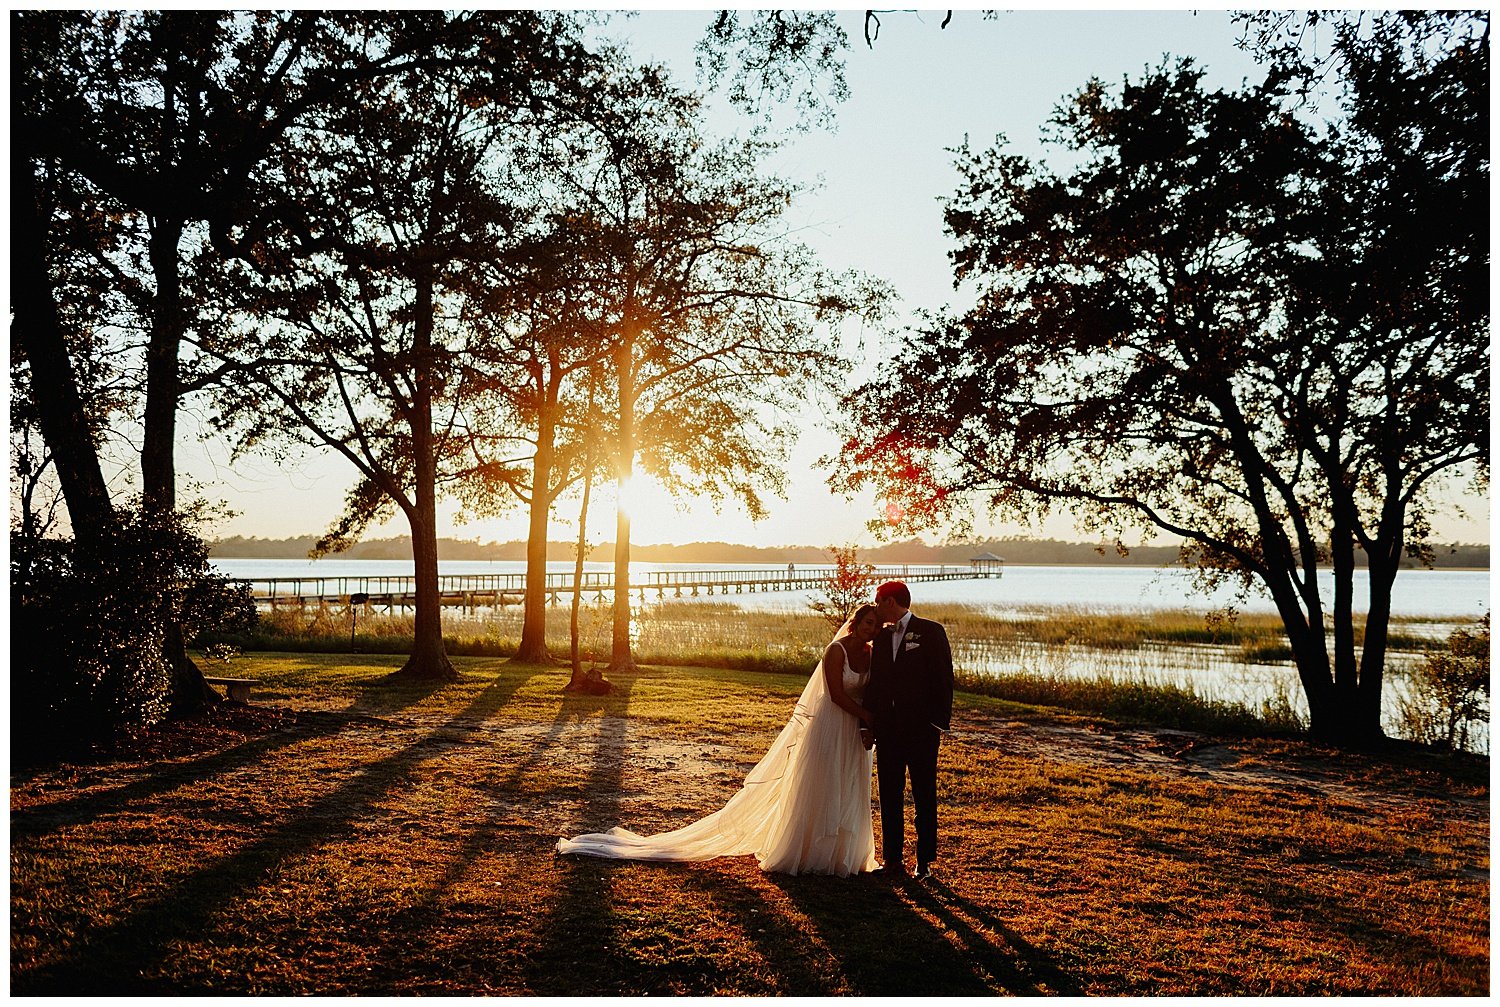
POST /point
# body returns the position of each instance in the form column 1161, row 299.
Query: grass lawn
column 348, row 836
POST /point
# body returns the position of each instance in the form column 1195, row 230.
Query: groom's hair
column 894, row 589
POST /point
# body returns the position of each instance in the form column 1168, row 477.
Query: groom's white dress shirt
column 898, row 633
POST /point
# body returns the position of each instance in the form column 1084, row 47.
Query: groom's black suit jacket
column 914, row 690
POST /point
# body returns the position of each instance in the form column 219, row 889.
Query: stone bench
column 238, row 688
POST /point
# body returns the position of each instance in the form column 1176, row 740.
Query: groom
column 910, row 694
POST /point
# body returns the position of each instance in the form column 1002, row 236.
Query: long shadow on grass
column 1019, row 966
column 578, row 938
column 891, row 941
column 579, row 944
column 119, row 958
column 468, row 961
column 816, row 936
column 377, row 695
column 802, row 964
column 576, row 709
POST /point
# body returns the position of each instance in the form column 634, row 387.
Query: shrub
column 1448, row 694
column 89, row 624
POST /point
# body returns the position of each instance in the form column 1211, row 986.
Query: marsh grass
column 1139, row 701
column 1171, row 668
column 682, row 628
column 379, row 838
column 677, row 632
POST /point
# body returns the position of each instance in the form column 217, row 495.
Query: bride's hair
column 847, row 629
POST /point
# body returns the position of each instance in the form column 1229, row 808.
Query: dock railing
column 508, row 588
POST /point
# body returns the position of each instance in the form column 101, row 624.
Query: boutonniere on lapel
column 912, row 641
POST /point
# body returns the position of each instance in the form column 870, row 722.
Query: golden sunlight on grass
column 1167, row 668
column 350, row 836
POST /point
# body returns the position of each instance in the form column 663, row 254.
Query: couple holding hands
column 882, row 694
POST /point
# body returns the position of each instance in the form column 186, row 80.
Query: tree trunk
column 590, row 680
column 579, row 552
column 1342, row 553
column 37, row 328
column 1347, row 716
column 621, row 658
column 163, row 379
column 429, row 658
column 1310, row 655
column 190, row 693
column 1335, row 713
column 1344, row 693
column 1383, row 568
column 533, row 646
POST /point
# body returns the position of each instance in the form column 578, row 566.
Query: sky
column 881, row 172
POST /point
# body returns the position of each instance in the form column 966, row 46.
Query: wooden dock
column 494, row 590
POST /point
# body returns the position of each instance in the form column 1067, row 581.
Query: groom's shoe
column 924, row 872
column 891, row 872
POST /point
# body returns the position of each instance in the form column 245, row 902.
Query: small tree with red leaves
column 846, row 587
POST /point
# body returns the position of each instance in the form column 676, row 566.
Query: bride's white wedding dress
column 804, row 808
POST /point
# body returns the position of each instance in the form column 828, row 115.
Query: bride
column 805, row 807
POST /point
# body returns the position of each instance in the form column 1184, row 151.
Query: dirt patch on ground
column 1251, row 763
column 664, row 776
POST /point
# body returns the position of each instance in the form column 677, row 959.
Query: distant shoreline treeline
column 1046, row 552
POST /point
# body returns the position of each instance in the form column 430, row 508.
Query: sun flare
column 628, row 495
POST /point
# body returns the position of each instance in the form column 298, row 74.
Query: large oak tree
column 174, row 115
column 715, row 319
column 362, row 329
column 1261, row 334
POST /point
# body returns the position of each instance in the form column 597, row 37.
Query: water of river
column 1440, row 594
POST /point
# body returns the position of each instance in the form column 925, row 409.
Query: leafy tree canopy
column 1227, row 323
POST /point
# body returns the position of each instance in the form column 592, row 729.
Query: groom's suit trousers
column 899, row 755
